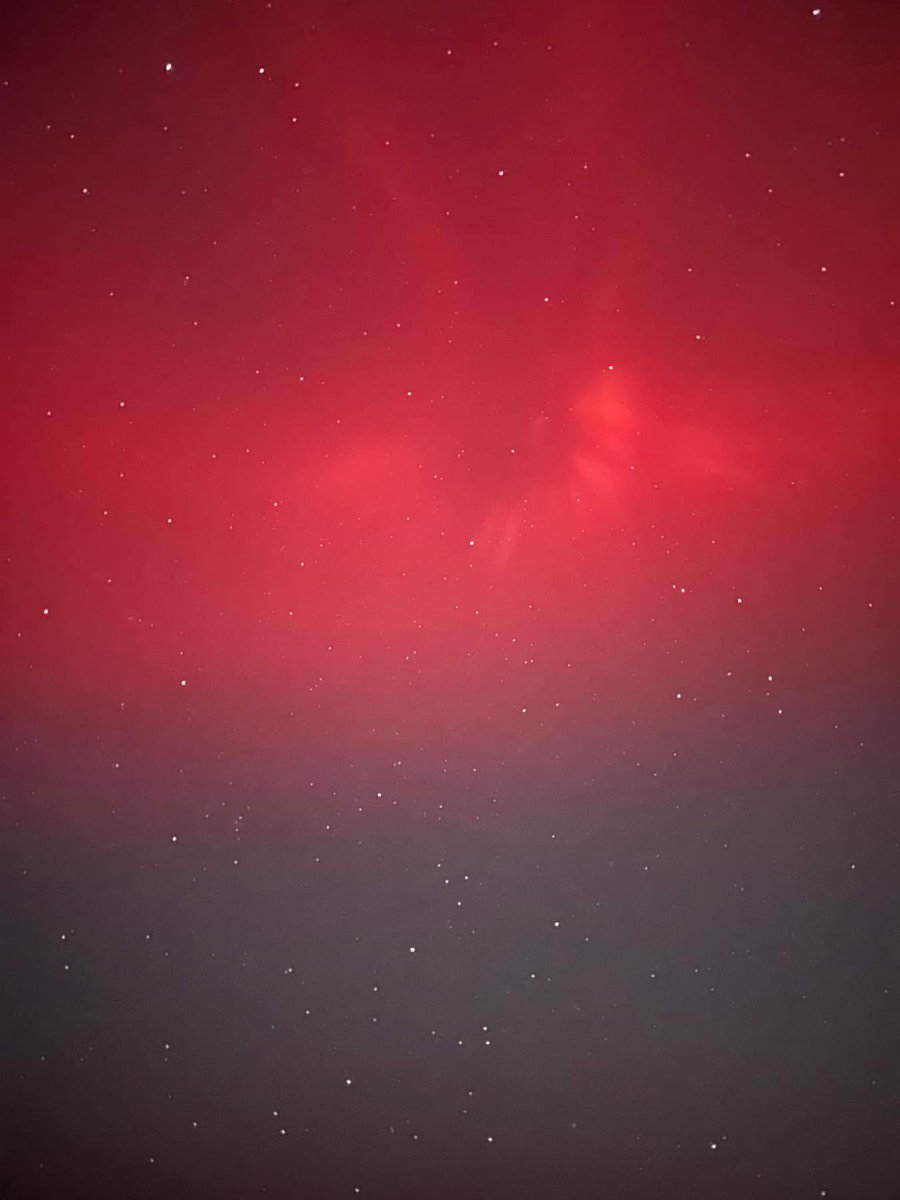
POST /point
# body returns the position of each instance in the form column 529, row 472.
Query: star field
column 449, row 638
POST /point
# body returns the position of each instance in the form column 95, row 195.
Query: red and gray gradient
column 442, row 434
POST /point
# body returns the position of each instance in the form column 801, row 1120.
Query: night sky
column 449, row 677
